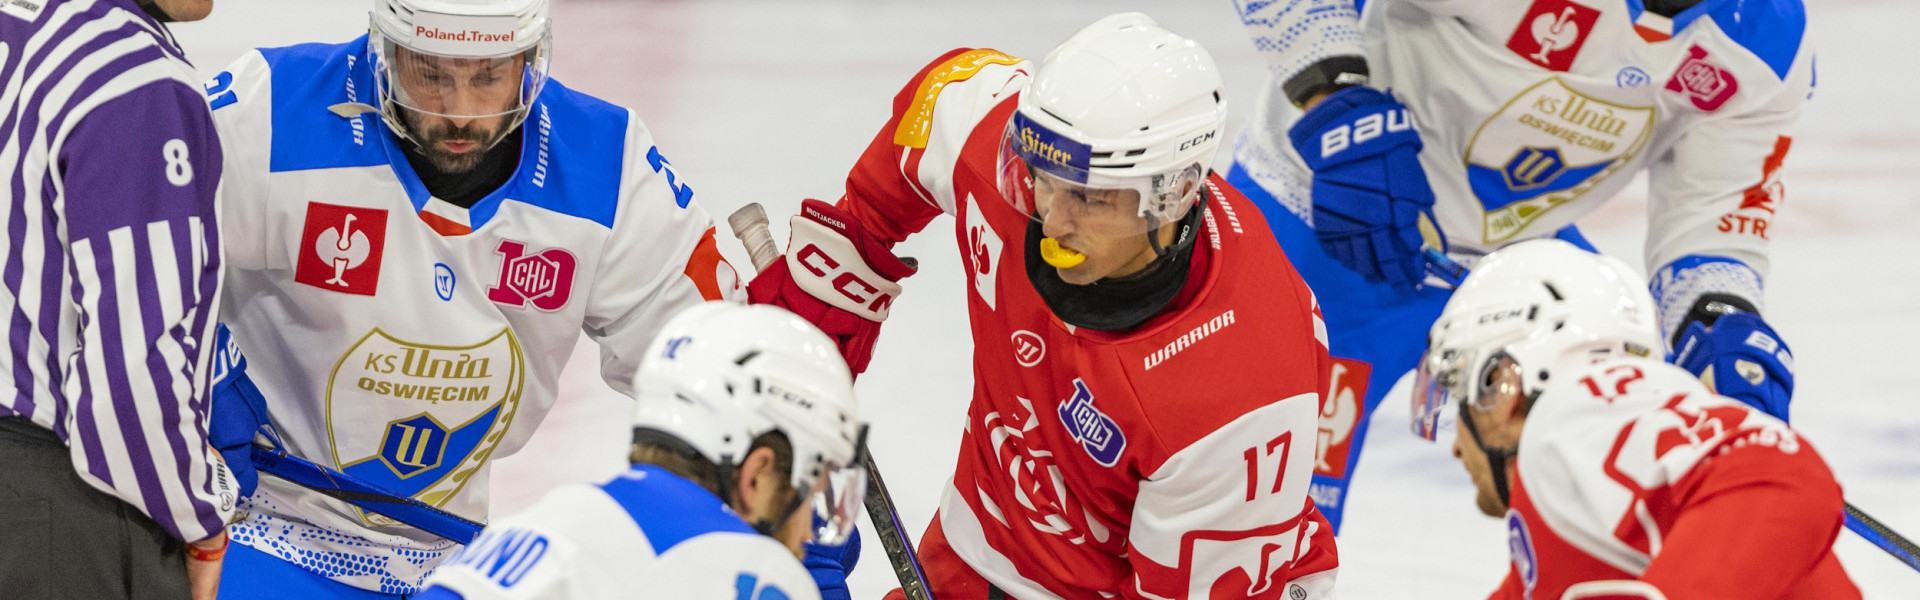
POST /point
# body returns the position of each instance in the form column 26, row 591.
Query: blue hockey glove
column 1741, row 357
column 1369, row 192
column 830, row 565
column 239, row 411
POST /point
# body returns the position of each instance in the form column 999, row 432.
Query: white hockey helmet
column 415, row 44
column 721, row 374
column 1123, row 105
column 1541, row 304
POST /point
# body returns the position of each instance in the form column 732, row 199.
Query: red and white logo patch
column 543, row 279
column 1340, row 411
column 1707, row 84
column 1552, row 32
column 340, row 248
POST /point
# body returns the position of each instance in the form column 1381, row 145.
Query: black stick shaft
column 1885, row 537
column 899, row 547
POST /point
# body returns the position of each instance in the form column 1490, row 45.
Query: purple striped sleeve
column 140, row 172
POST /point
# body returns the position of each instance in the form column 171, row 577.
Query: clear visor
column 1437, row 385
column 841, row 492
column 1046, row 176
column 459, row 87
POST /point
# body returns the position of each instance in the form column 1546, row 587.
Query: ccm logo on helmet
column 846, row 283
column 1363, row 130
column 1197, row 141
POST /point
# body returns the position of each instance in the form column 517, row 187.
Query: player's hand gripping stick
column 835, row 274
column 1369, row 191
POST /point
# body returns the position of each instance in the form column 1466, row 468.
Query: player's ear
column 757, row 481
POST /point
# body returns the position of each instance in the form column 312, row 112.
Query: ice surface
column 771, row 102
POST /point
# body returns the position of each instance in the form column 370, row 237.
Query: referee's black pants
column 61, row 539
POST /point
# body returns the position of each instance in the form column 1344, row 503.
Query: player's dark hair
column 664, row 450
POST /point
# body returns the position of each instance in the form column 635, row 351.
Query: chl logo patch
column 543, row 279
column 1093, row 429
column 1551, row 33
column 1341, row 411
column 340, row 248
column 1706, row 84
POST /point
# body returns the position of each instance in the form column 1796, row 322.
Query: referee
column 111, row 270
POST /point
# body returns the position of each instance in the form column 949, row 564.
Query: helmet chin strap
column 1496, row 457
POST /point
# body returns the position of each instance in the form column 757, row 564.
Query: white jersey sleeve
column 646, row 534
column 1294, row 34
column 242, row 101
column 667, row 259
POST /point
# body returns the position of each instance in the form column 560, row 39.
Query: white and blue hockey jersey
column 645, row 534
column 408, row 341
column 1534, row 112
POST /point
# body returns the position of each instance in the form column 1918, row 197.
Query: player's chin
column 1490, row 504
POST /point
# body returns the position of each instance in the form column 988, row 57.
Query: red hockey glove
column 836, row 275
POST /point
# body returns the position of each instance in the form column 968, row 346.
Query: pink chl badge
column 1707, row 84
column 543, row 279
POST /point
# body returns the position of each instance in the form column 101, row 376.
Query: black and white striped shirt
column 112, row 261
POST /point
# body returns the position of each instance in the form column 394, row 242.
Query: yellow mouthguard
column 1059, row 257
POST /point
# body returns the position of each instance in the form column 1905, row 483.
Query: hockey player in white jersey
column 1394, row 126
column 423, row 224
column 746, row 435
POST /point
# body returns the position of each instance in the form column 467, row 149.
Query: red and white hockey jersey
column 1168, row 461
column 1631, row 469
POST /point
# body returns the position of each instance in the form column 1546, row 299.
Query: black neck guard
column 1117, row 303
column 1669, row 8
column 464, row 189
column 152, row 8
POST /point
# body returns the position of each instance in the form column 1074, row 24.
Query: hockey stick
column 749, row 224
column 1886, row 538
column 352, row 490
column 899, row 547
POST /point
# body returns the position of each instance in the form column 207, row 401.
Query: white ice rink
column 771, row 102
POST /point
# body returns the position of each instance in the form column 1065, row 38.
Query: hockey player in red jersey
column 1620, row 476
column 1147, row 364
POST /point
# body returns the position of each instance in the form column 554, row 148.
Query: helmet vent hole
column 1533, row 312
column 1216, row 96
column 1136, row 152
column 1551, row 290
column 683, row 398
column 1543, row 374
column 1558, row 324
column 747, row 356
column 1050, row 114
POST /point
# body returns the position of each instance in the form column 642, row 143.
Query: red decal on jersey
column 445, row 226
column 710, row 272
column 1769, row 191
column 1551, row 33
column 340, row 248
column 543, row 279
column 1340, row 411
column 1706, row 84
